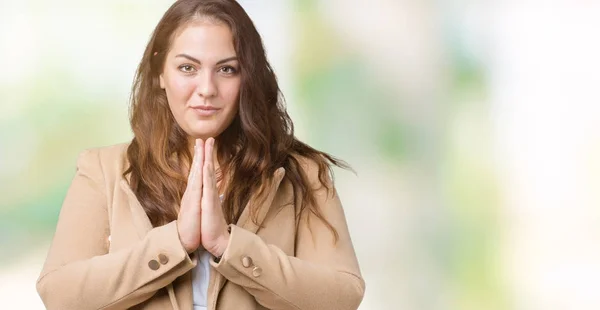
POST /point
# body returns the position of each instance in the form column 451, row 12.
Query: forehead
column 204, row 39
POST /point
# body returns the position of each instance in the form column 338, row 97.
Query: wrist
column 222, row 244
column 189, row 249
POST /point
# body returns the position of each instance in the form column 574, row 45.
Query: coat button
column 257, row 271
column 246, row 261
column 153, row 264
column 163, row 259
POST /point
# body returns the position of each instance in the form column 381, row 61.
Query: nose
column 207, row 86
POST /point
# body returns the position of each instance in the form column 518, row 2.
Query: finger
column 208, row 150
column 209, row 189
column 212, row 172
column 195, row 175
column 191, row 173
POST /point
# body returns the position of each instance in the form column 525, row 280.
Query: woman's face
column 201, row 79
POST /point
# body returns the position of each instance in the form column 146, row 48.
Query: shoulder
column 313, row 168
column 112, row 154
column 108, row 161
column 107, row 154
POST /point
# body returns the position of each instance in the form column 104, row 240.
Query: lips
column 204, row 107
column 205, row 110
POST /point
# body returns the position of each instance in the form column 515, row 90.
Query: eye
column 187, row 68
column 228, row 70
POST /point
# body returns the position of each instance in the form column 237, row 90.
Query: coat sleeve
column 79, row 273
column 322, row 275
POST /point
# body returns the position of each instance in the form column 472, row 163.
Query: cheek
column 178, row 88
column 230, row 96
column 231, row 91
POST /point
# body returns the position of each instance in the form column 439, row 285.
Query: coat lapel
column 245, row 221
column 138, row 215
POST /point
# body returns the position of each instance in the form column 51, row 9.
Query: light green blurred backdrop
column 473, row 126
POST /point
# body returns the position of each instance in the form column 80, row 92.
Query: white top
column 200, row 277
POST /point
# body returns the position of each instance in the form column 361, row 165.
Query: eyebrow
column 198, row 61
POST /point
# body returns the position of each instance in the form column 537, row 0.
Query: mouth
column 205, row 110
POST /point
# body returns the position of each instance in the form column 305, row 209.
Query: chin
column 203, row 136
column 205, row 129
column 204, row 133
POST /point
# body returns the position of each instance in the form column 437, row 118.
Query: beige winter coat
column 106, row 255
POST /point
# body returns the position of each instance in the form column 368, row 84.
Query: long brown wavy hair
column 259, row 140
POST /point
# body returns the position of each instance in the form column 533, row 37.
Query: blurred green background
column 474, row 127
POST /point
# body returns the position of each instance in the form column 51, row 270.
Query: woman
column 214, row 204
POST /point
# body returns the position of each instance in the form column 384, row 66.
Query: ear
column 161, row 81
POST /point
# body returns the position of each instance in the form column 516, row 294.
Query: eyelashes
column 187, row 68
column 231, row 69
column 191, row 69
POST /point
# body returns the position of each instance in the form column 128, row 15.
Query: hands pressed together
column 201, row 220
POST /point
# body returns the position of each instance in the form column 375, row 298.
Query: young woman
column 214, row 204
